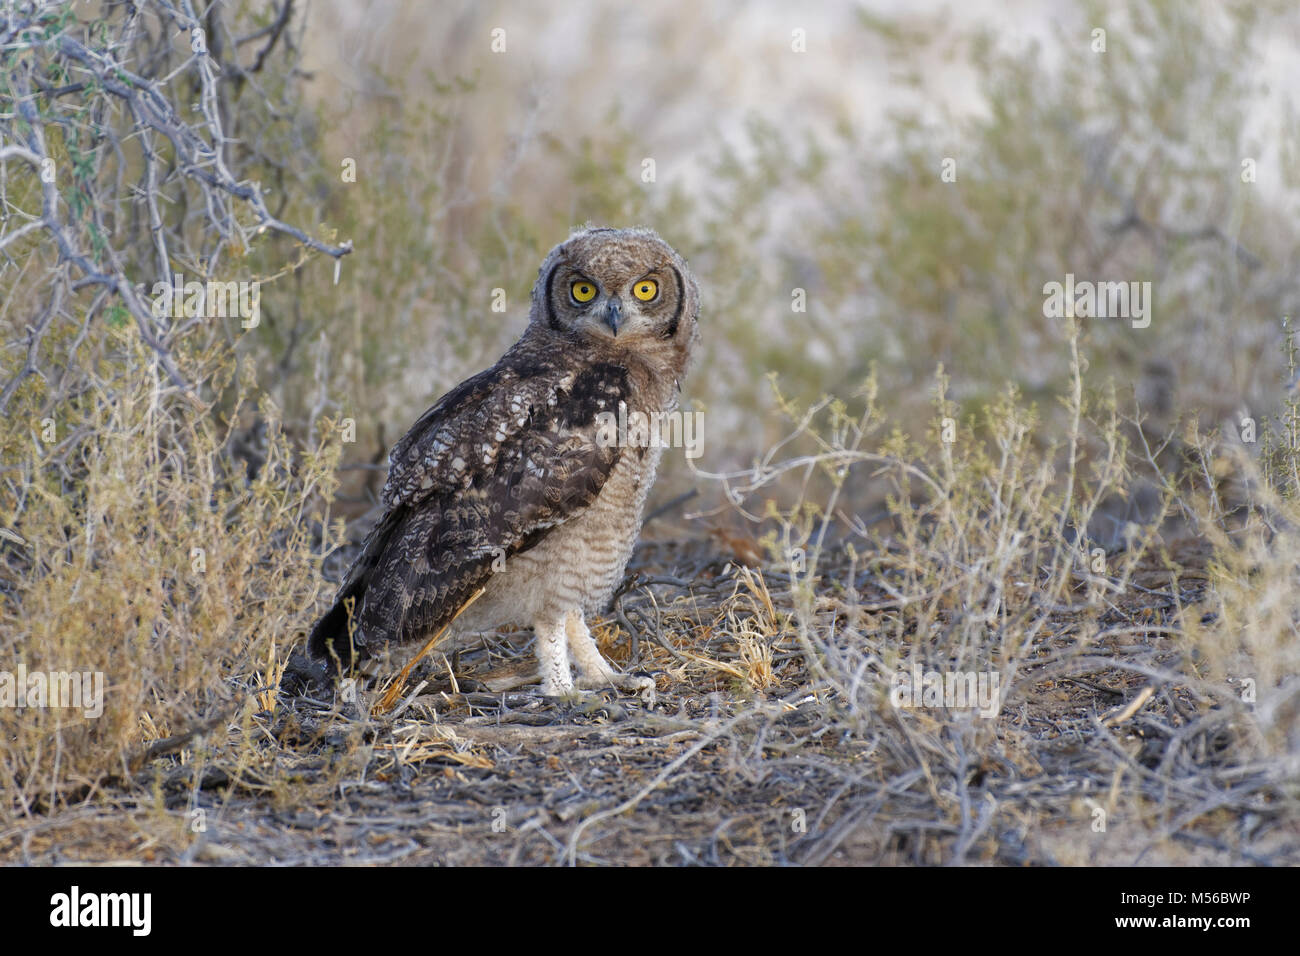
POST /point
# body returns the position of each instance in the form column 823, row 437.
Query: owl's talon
column 639, row 685
column 648, row 691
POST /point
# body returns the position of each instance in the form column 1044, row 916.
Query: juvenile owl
column 511, row 481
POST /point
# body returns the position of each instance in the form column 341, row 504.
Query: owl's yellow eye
column 646, row 289
column 583, row 291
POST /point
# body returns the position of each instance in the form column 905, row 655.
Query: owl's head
column 620, row 289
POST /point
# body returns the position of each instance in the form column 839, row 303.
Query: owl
column 516, row 483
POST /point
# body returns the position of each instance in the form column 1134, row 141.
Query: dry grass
column 146, row 554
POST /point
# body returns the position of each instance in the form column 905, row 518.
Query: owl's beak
column 613, row 312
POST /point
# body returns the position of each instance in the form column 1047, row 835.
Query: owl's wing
column 484, row 474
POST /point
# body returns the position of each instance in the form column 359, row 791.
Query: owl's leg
column 553, row 656
column 594, row 669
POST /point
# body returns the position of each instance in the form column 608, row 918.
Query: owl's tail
column 330, row 649
column 334, row 634
column 335, row 642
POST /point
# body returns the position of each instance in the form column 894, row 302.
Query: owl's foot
column 642, row 685
column 573, row 696
column 595, row 670
column 557, row 639
column 638, row 685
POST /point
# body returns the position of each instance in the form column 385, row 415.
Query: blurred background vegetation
column 821, row 171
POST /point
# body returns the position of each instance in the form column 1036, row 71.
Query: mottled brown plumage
column 506, row 483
